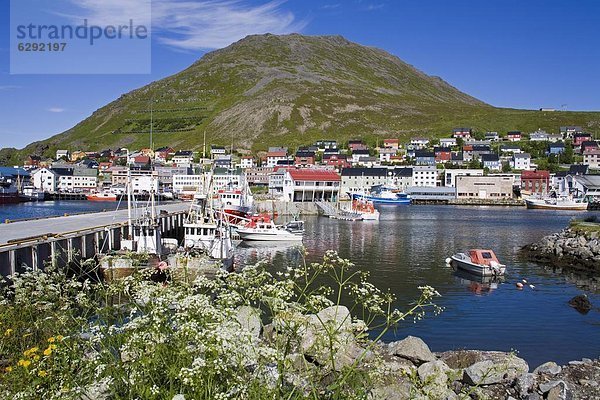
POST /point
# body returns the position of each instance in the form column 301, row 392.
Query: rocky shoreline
column 574, row 248
column 483, row 375
column 408, row 369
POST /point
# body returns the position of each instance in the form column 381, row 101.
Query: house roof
column 361, row 152
column 277, row 154
column 578, row 169
column 314, row 175
column 589, row 181
column 184, row 153
column 522, row 155
column 357, row 171
column 489, row 157
column 305, row 154
column 424, row 154
column 535, row 174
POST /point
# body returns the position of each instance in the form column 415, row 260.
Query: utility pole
column 151, row 123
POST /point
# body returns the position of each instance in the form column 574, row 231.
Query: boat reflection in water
column 251, row 252
column 478, row 284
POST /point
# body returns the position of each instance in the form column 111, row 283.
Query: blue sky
column 509, row 53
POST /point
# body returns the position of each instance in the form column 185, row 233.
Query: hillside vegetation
column 291, row 90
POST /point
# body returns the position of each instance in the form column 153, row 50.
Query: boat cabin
column 145, row 239
column 483, row 257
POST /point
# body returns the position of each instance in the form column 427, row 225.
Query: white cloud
column 55, row 109
column 192, row 24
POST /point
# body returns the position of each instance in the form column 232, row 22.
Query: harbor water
column 407, row 248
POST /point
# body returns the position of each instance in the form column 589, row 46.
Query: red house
column 442, row 154
column 391, row 144
column 357, row 145
column 514, row 136
column 579, row 138
column 336, row 160
column 535, row 182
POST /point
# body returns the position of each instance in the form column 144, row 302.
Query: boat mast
column 128, row 188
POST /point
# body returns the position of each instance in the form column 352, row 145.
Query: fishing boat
column 478, row 262
column 556, row 202
column 383, row 194
column 30, row 193
column 206, row 229
column 102, row 196
column 143, row 247
column 365, row 209
column 262, row 228
column 9, row 193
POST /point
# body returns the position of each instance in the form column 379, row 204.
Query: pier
column 62, row 240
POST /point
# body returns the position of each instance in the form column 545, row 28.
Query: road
column 58, row 225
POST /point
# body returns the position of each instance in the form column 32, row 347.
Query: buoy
column 531, row 286
column 524, row 280
column 448, row 260
column 519, row 285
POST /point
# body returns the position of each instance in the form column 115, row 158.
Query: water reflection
column 407, row 249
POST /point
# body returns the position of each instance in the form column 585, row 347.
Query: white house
column 419, row 142
column 539, row 136
column 448, row 142
column 424, row 175
column 62, row 154
column 187, row 183
column 308, row 185
column 274, row 156
column 451, row 174
column 76, row 180
column 385, row 154
column 591, row 157
column 45, row 179
column 217, row 151
column 521, row 161
column 247, row 162
column 183, row 158
column 145, row 183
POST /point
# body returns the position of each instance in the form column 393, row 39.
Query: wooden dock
column 33, row 243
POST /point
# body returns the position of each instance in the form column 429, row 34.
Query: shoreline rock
column 574, row 248
column 409, row 369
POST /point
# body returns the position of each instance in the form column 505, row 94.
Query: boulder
column 549, row 368
column 434, row 377
column 581, row 303
column 546, row 386
column 413, row 349
column 249, row 319
column 559, row 392
column 399, row 390
column 525, row 384
column 489, row 372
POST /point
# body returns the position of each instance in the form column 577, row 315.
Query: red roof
column 390, row 141
column 142, row 159
column 535, row 174
column 314, row 175
column 277, row 154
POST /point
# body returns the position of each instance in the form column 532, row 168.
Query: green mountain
column 291, row 90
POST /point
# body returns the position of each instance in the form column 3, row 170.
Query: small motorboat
column 478, row 262
column 262, row 228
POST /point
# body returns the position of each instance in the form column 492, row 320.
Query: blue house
column 491, row 161
column 424, row 157
column 556, row 148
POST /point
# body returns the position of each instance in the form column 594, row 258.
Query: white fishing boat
column 479, row 262
column 557, row 202
column 208, row 231
column 262, row 228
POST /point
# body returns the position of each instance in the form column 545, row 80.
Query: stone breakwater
column 576, row 248
column 408, row 369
